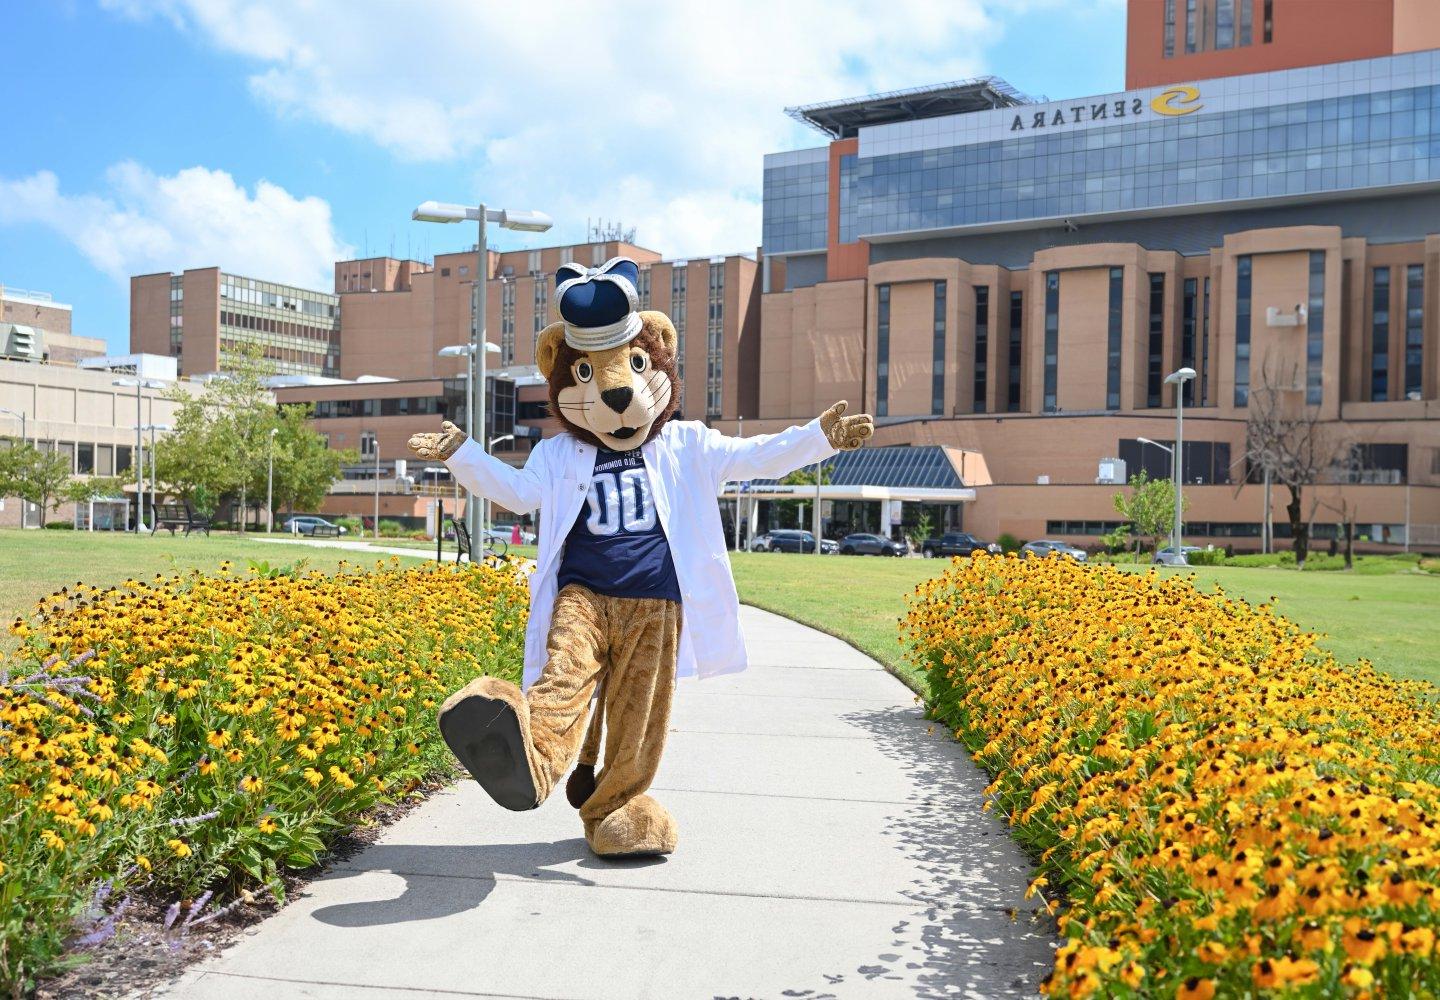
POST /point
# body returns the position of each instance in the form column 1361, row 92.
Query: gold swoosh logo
column 1176, row 101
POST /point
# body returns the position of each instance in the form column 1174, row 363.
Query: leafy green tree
column 218, row 446
column 924, row 528
column 305, row 464
column 39, row 477
column 1150, row 508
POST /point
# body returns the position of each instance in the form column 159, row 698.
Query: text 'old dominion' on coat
column 687, row 462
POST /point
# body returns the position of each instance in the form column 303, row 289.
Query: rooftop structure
column 843, row 119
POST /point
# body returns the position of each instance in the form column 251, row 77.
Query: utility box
column 1112, row 472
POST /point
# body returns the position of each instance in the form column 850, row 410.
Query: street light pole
column 1177, row 458
column 270, row 485
column 139, row 384
column 376, row 439
column 23, row 441
column 529, row 222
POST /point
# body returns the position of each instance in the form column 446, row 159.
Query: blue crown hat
column 599, row 305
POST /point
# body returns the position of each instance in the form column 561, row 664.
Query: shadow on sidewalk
column 973, row 932
column 470, row 870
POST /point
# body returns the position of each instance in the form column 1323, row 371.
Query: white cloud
column 655, row 113
column 144, row 222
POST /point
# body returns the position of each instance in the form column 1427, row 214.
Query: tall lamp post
column 375, row 438
column 139, row 384
column 1177, row 459
column 473, row 511
column 20, row 414
column 152, row 428
column 525, row 222
column 270, row 484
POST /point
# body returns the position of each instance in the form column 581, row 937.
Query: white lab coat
column 686, row 462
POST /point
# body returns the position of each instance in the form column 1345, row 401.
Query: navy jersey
column 617, row 547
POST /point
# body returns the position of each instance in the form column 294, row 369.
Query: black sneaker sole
column 484, row 735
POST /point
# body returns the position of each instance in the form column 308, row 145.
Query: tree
column 36, row 476
column 218, row 446
column 1150, row 508
column 1284, row 438
column 924, row 528
column 801, row 477
column 305, row 464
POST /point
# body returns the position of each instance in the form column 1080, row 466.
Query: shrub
column 59, row 526
column 1008, row 542
column 1224, row 807
column 202, row 733
column 1206, row 557
column 352, row 525
column 392, row 529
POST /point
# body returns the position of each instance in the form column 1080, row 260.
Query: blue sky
column 273, row 137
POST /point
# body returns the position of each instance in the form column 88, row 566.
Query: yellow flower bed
column 1225, row 810
column 200, row 732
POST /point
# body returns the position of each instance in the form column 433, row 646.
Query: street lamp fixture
column 152, row 428
column 503, row 437
column 1177, row 459
column 518, row 221
column 139, row 384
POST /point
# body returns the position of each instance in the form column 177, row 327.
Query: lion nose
column 618, row 399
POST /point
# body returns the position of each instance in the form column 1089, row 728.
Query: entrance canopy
column 918, row 474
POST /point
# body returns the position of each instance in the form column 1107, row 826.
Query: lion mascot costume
column 632, row 586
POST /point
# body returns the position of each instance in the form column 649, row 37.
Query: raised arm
column 519, row 490
column 773, row 456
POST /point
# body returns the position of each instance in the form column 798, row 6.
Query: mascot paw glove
column 438, row 447
column 846, row 433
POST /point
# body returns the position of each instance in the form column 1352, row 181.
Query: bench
column 325, row 531
column 462, row 538
column 175, row 515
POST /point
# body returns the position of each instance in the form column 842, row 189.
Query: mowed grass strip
column 1393, row 621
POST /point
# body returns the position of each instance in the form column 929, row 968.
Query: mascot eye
column 583, row 371
column 638, row 362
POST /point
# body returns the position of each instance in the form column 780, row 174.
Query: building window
column 1225, row 24
column 678, row 294
column 642, row 287
column 882, row 352
column 1242, row 330
column 1204, row 378
column 1380, row 335
column 1017, row 318
column 715, row 342
column 1192, row 37
column 369, row 445
column 1247, row 16
column 937, row 354
column 85, row 458
column 1113, row 338
column 1169, row 28
column 540, row 301
column 1155, row 366
column 1187, row 337
column 507, row 322
column 982, row 344
column 124, row 458
column 1414, row 330
column 1052, row 340
column 1315, row 330
column 1267, row 25
column 104, row 460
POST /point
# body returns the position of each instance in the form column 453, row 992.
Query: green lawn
column 34, row 564
column 1392, row 620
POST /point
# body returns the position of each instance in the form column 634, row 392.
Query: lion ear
column 547, row 348
column 659, row 324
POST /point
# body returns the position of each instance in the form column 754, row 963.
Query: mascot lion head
column 610, row 367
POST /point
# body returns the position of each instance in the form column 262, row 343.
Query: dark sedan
column 870, row 545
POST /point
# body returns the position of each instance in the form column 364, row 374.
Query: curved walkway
column 831, row 845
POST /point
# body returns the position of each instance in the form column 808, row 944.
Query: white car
column 505, row 533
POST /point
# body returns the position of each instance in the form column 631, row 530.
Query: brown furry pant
column 628, row 645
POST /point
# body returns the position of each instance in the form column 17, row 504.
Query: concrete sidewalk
column 830, row 846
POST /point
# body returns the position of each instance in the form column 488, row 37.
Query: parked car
column 956, row 543
column 870, row 545
column 505, row 533
column 1166, row 556
column 1049, row 546
column 760, row 543
column 829, row 547
column 306, row 525
column 791, row 541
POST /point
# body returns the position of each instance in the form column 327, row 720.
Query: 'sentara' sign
column 1175, row 101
